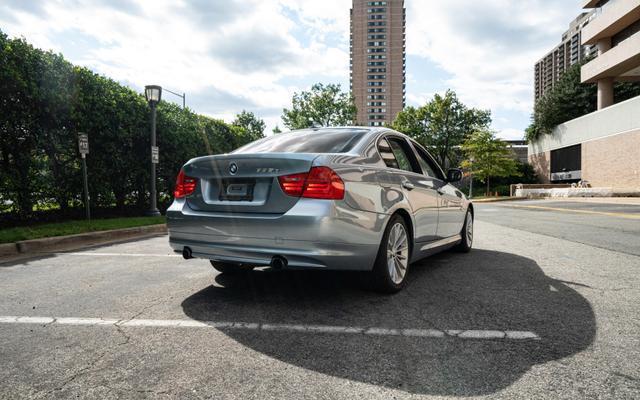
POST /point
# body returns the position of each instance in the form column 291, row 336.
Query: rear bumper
column 313, row 234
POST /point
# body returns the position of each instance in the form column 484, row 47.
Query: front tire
column 230, row 268
column 467, row 234
column 392, row 263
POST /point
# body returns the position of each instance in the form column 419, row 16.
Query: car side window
column 397, row 154
column 387, row 154
column 427, row 164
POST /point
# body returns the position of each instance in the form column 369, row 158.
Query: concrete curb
column 8, row 250
column 57, row 243
column 498, row 199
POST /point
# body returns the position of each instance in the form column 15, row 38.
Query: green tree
column 276, row 130
column 46, row 101
column 321, row 106
column 570, row 99
column 441, row 125
column 488, row 157
column 253, row 126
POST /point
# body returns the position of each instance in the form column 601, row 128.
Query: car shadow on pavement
column 483, row 290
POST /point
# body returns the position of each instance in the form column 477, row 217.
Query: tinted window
column 320, row 141
column 397, row 154
column 428, row 165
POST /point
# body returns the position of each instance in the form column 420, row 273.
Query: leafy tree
column 487, row 156
column 253, row 126
column 441, row 125
column 321, row 106
column 570, row 99
column 45, row 102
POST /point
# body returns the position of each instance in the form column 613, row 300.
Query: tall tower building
column 378, row 60
column 550, row 68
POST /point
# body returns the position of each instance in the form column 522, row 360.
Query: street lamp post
column 183, row 96
column 153, row 93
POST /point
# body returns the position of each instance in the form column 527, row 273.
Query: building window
column 376, row 77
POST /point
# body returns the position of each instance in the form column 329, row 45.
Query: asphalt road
column 546, row 306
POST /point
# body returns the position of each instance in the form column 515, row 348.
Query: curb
column 498, row 199
column 34, row 246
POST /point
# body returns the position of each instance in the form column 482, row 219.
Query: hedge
column 45, row 101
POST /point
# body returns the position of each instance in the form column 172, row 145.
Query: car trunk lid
column 244, row 183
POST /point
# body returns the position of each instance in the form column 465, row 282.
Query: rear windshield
column 321, row 141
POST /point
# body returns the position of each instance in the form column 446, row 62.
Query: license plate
column 237, row 191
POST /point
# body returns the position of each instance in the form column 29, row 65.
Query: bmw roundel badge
column 233, row 168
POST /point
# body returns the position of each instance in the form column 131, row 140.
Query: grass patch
column 11, row 235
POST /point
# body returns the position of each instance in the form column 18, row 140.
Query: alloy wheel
column 398, row 253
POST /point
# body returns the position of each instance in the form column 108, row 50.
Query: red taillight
column 318, row 183
column 185, row 185
column 293, row 185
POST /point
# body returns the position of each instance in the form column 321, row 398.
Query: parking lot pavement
column 527, row 314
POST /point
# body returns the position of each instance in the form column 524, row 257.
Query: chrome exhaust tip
column 186, row 253
column 279, row 262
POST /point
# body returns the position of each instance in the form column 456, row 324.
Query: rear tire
column 230, row 268
column 467, row 234
column 392, row 263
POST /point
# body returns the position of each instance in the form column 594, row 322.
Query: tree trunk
column 488, row 189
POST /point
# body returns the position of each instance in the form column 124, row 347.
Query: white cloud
column 488, row 47
column 234, row 54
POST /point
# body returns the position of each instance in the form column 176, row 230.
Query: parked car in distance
column 349, row 199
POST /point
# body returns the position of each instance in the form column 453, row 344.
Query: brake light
column 293, row 185
column 318, row 183
column 185, row 185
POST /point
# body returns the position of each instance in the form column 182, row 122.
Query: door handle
column 408, row 185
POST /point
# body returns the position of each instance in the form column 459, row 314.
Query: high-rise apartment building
column 602, row 147
column 569, row 52
column 378, row 60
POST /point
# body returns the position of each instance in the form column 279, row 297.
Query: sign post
column 83, row 146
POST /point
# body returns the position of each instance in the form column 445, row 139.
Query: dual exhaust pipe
column 277, row 262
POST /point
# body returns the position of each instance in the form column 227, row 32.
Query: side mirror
column 454, row 175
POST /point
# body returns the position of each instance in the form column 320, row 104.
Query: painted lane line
column 87, row 253
column 572, row 210
column 291, row 328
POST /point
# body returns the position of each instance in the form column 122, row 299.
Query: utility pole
column 83, row 146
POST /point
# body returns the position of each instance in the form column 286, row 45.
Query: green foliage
column 570, row 99
column 321, row 106
column 45, row 102
column 487, row 157
column 277, row 130
column 253, row 126
column 441, row 125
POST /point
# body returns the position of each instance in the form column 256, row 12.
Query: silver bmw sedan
column 357, row 199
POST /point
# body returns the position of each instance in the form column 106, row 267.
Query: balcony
column 614, row 18
column 619, row 62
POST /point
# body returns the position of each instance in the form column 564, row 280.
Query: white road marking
column 349, row 330
column 88, row 253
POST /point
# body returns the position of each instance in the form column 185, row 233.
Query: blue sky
column 230, row 55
